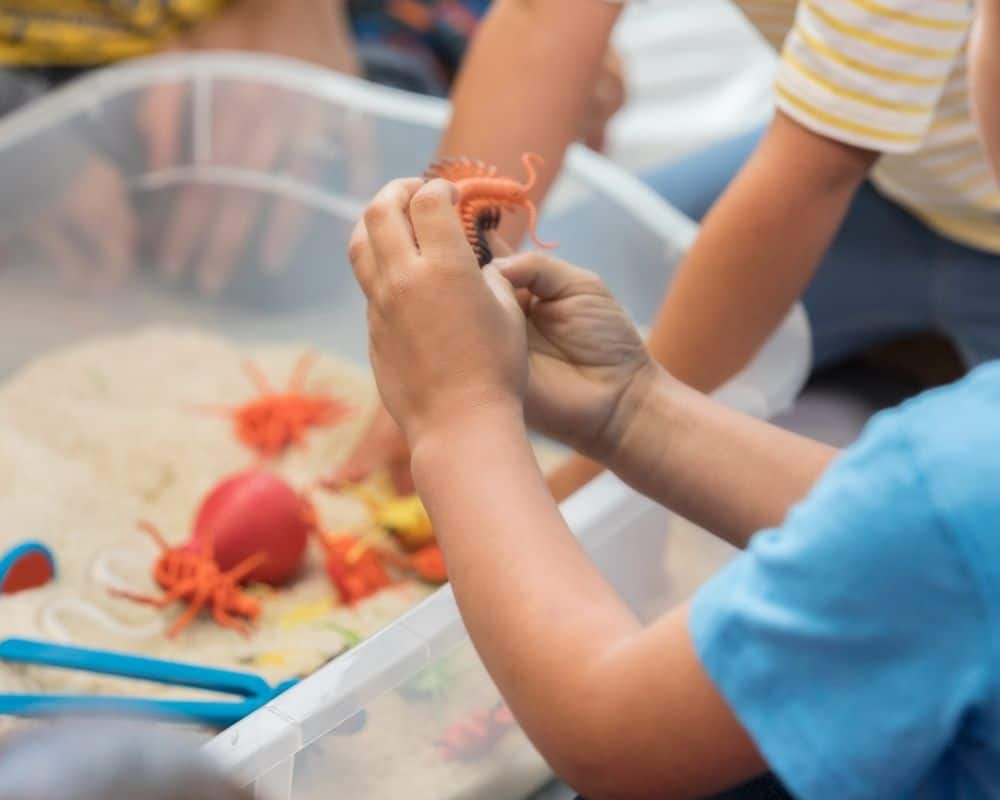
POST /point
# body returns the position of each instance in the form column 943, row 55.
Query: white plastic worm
column 103, row 574
column 54, row 628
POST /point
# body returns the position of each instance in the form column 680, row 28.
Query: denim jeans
column 886, row 275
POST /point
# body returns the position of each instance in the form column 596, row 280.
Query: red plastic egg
column 251, row 512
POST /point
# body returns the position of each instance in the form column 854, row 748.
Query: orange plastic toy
column 474, row 736
column 358, row 569
column 482, row 195
column 190, row 574
column 355, row 568
column 276, row 420
column 428, row 563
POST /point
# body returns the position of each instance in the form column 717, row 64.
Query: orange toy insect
column 276, row 420
column 428, row 563
column 190, row 574
column 358, row 569
column 482, row 196
column 355, row 568
column 474, row 736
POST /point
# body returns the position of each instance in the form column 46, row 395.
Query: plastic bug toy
column 276, row 420
column 354, row 567
column 482, row 196
column 252, row 526
column 475, row 735
column 404, row 518
column 190, row 574
column 358, row 569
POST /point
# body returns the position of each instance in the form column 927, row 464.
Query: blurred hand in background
column 253, row 129
column 607, row 99
column 83, row 224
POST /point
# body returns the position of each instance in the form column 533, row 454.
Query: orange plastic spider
column 428, row 563
column 275, row 420
column 482, row 196
column 358, row 569
column 355, row 568
column 475, row 735
column 190, row 574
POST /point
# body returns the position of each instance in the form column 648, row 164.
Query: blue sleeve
column 850, row 641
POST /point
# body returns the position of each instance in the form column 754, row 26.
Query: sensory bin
column 117, row 353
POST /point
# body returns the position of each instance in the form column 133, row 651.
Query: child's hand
column 984, row 79
column 382, row 446
column 252, row 127
column 589, row 368
column 447, row 340
column 606, row 100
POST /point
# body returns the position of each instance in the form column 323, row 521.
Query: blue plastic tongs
column 253, row 690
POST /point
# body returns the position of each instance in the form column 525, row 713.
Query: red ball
column 255, row 512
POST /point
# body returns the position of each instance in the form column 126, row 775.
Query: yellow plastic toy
column 405, row 518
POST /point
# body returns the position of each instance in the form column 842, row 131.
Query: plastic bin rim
column 588, row 513
column 87, row 93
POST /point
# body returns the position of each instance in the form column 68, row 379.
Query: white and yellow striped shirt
column 890, row 75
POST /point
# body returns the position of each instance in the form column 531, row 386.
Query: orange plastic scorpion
column 190, row 574
column 355, row 568
column 475, row 735
column 275, row 420
column 482, row 196
column 358, row 569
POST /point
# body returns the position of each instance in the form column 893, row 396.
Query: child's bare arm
column 618, row 711
column 526, row 83
column 756, row 252
column 985, row 73
column 723, row 470
column 752, row 260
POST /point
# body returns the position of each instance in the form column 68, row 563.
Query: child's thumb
column 501, row 288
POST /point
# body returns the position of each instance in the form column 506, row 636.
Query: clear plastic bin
column 268, row 163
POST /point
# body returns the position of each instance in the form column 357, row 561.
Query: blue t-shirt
column 859, row 643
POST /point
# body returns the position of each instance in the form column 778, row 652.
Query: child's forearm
column 519, row 575
column 525, row 85
column 725, row 471
column 756, row 253
column 616, row 710
column 700, row 460
column 750, row 263
column 985, row 77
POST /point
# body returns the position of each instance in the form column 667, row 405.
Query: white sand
column 97, row 436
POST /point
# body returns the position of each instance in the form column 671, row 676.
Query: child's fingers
column 524, row 298
column 501, row 288
column 548, row 278
column 435, row 223
column 362, row 259
column 387, row 224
